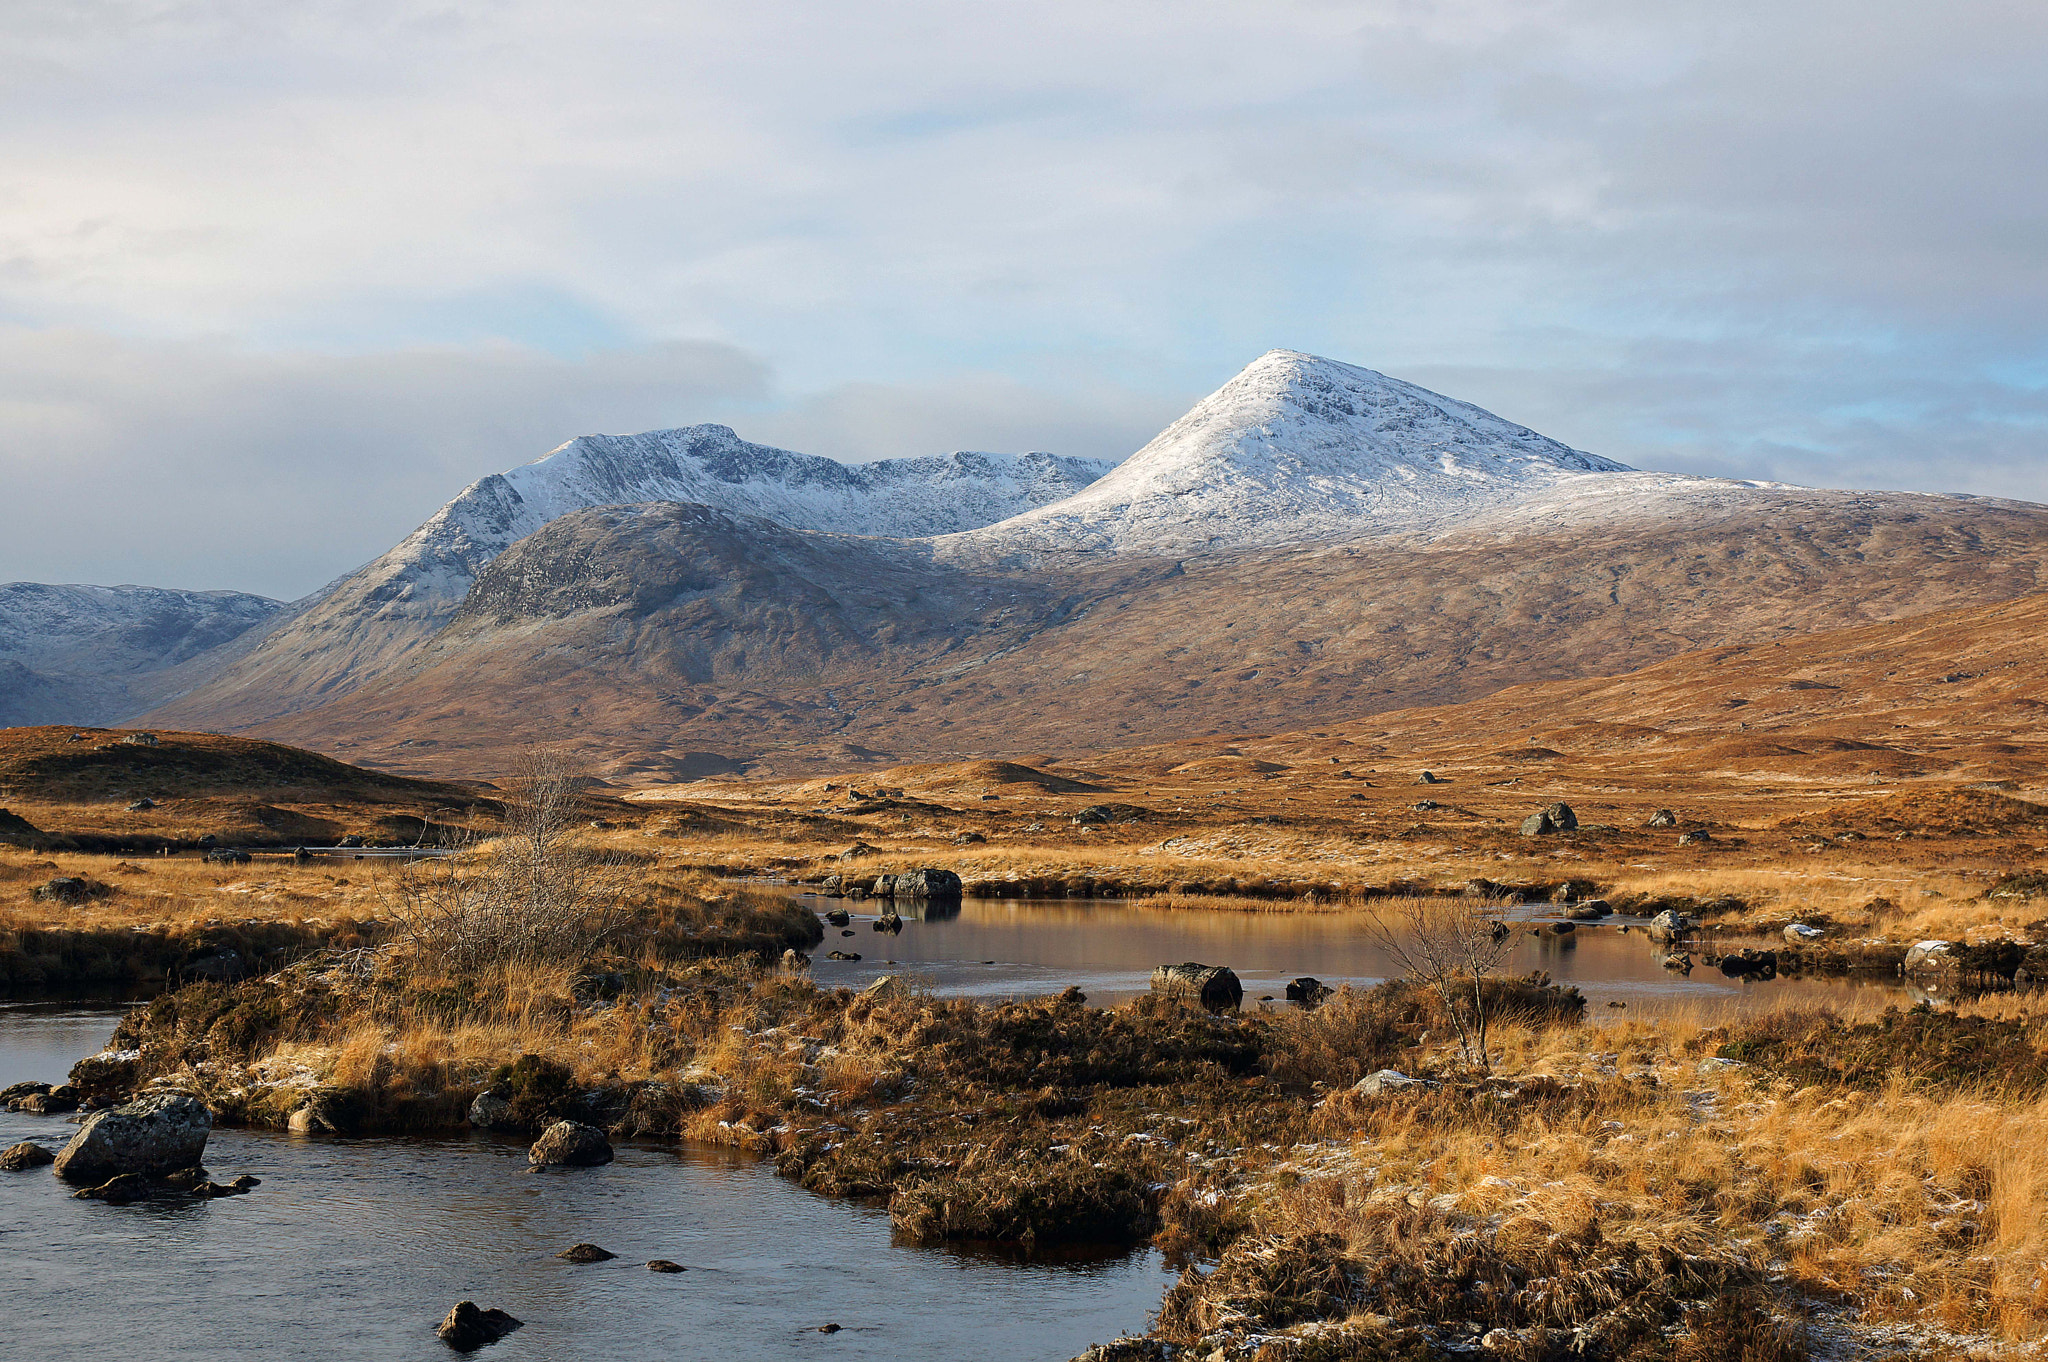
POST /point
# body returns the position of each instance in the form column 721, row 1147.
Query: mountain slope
column 377, row 618
column 644, row 635
column 86, row 654
column 1311, row 543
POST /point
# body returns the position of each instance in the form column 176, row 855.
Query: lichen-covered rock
column 1671, row 925
column 107, row 1078
column 492, row 1110
column 1213, row 986
column 468, row 1328
column 1930, row 955
column 1386, row 1081
column 151, row 1136
column 570, row 1144
column 928, row 883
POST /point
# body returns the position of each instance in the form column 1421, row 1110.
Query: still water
column 993, row 948
column 356, row 1248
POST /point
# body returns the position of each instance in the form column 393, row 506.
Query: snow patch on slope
column 1300, row 449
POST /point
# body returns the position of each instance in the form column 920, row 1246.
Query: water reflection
column 992, row 948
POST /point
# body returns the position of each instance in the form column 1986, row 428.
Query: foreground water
column 355, row 1249
column 992, row 948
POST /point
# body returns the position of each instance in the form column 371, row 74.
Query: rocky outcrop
column 570, row 1144
column 72, row 889
column 1212, row 986
column 152, row 1136
column 55, row 1102
column 468, row 1328
column 1556, row 817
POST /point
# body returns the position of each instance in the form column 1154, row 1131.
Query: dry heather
column 1632, row 1190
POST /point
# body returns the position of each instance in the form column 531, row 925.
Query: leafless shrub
column 536, row 892
column 1450, row 946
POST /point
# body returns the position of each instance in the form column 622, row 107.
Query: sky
column 278, row 280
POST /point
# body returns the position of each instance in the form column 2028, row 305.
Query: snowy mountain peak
column 711, row 465
column 1299, row 448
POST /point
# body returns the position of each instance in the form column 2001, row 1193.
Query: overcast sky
column 276, row 280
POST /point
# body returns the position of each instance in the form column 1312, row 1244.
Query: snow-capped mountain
column 87, row 654
column 1300, row 449
column 380, row 615
column 710, row 465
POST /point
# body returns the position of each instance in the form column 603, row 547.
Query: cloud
column 205, row 466
column 1776, row 240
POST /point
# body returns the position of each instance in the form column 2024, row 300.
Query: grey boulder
column 1213, row 986
column 151, row 1136
column 570, row 1144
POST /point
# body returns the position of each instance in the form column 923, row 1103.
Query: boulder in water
column 664, row 1265
column 1309, row 991
column 468, row 1328
column 570, row 1144
column 1671, row 925
column 27, row 1154
column 153, row 1135
column 1213, row 986
column 928, row 883
column 585, row 1253
column 117, row 1191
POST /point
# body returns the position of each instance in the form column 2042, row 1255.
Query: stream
column 356, row 1248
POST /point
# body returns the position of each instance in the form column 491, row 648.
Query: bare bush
column 1450, row 946
column 535, row 892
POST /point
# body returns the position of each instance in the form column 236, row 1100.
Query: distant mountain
column 92, row 654
column 1297, row 449
column 377, row 618
column 1312, row 543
